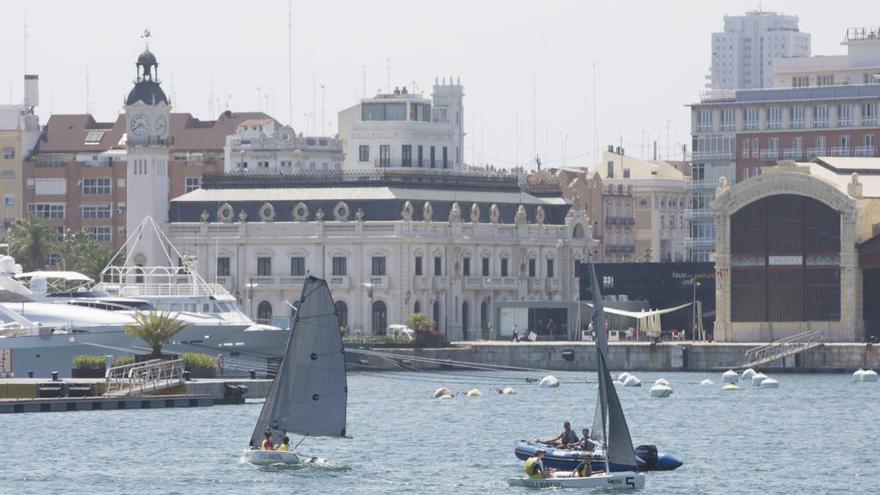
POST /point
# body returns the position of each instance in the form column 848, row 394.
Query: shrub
column 197, row 360
column 88, row 361
column 123, row 360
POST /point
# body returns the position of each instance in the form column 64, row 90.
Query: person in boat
column 267, row 442
column 565, row 439
column 285, row 444
column 586, row 443
column 584, row 469
column 535, row 466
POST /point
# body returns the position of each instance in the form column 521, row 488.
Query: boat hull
column 615, row 481
column 269, row 457
column 569, row 459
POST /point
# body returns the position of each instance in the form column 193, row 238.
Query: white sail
column 309, row 394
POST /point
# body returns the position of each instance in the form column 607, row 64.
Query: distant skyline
column 651, row 58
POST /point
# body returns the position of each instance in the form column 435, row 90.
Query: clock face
column 139, row 124
column 161, row 125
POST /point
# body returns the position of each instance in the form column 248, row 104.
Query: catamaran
column 309, row 395
column 609, row 427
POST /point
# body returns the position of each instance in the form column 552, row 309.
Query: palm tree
column 156, row 329
column 28, row 242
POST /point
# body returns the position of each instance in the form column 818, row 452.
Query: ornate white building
column 389, row 242
column 405, row 130
column 263, row 145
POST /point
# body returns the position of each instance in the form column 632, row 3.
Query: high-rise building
column 19, row 133
column 745, row 53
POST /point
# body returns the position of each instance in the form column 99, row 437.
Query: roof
column 69, row 133
column 838, row 172
column 638, row 169
column 362, row 193
column 148, row 92
column 147, row 58
column 254, row 122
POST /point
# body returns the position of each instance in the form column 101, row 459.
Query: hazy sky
column 651, row 57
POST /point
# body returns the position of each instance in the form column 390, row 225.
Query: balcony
column 380, row 282
column 620, row 248
column 422, row 283
column 269, row 282
column 818, row 151
column 841, row 151
column 490, row 283
column 620, row 221
column 339, row 282
column 793, row 154
column 865, row 151
column 712, row 155
column 536, row 284
column 699, row 242
column 769, row 155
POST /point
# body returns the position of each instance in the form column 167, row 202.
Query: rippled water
column 815, row 434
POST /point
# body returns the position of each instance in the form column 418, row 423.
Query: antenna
column 289, row 63
column 314, row 105
column 595, row 124
column 259, row 100
column 87, row 89
column 211, row 99
column 388, row 73
column 323, row 88
column 534, row 118
column 364, row 74
column 25, row 43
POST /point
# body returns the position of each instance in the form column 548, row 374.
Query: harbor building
column 265, row 146
column 638, row 206
column 19, row 133
column 746, row 52
column 404, row 129
column 390, row 242
column 799, row 250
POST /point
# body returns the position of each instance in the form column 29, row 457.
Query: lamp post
column 695, row 284
column 369, row 286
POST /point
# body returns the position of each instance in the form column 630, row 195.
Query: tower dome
column 146, row 87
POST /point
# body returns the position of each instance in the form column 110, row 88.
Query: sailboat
column 309, row 394
column 609, row 427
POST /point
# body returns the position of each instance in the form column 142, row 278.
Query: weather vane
column 146, row 36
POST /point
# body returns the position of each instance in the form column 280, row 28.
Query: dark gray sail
column 309, row 395
column 609, row 423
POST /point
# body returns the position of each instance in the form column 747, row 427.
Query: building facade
column 745, row 53
column 389, row 243
column 265, row 146
column 860, row 64
column 405, row 130
column 19, row 133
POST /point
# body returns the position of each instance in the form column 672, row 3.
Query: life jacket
column 267, row 445
column 583, row 470
column 533, row 469
column 283, row 447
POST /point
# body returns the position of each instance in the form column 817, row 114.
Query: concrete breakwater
column 630, row 356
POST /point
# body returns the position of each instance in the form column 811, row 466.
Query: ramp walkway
column 776, row 350
column 146, row 377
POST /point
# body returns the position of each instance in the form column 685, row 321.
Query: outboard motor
column 648, row 455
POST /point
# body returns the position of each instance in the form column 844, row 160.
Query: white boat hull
column 267, row 457
column 618, row 480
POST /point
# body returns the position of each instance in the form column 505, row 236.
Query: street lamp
column 369, row 286
column 694, row 308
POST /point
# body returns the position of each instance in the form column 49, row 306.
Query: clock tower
column 147, row 113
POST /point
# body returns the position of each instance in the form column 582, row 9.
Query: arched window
column 578, row 232
column 342, row 313
column 484, row 315
column 436, row 315
column 417, row 307
column 465, row 317
column 264, row 313
column 380, row 318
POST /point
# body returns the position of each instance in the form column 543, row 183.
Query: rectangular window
column 97, row 211
column 820, row 144
column 773, row 146
column 418, row 266
column 378, row 266
column 96, row 185
column 869, row 114
column 610, row 170
column 46, row 210
column 339, row 268
column 384, row 155
column 704, row 120
column 466, row 267
column 485, row 267
column 54, row 260
column 433, row 158
column 751, row 120
column 800, row 81
column 364, row 153
column 297, row 266
column 756, row 151
column 869, row 142
column 844, row 144
column 51, row 187
column 264, row 266
column 191, row 184
column 825, row 80
column 532, row 268
column 797, row 143
column 844, row 115
column 728, row 119
column 438, row 266
column 774, row 117
column 8, row 153
column 550, row 267
column 101, row 234
column 798, row 117
column 820, row 116
column 504, row 263
column 223, row 266
column 406, row 155
column 445, row 158
column 745, row 148
column 420, row 158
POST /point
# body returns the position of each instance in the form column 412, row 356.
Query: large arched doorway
column 417, row 307
column 342, row 313
column 484, row 318
column 465, row 319
column 264, row 313
column 380, row 318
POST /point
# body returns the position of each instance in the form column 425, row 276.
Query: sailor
column 267, row 441
column 586, row 444
column 584, row 469
column 565, row 439
column 535, row 466
column 285, row 444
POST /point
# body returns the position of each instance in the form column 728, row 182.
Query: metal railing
column 140, row 378
column 783, row 348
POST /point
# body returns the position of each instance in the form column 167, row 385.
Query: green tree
column 420, row 323
column 156, row 329
column 29, row 243
column 82, row 253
